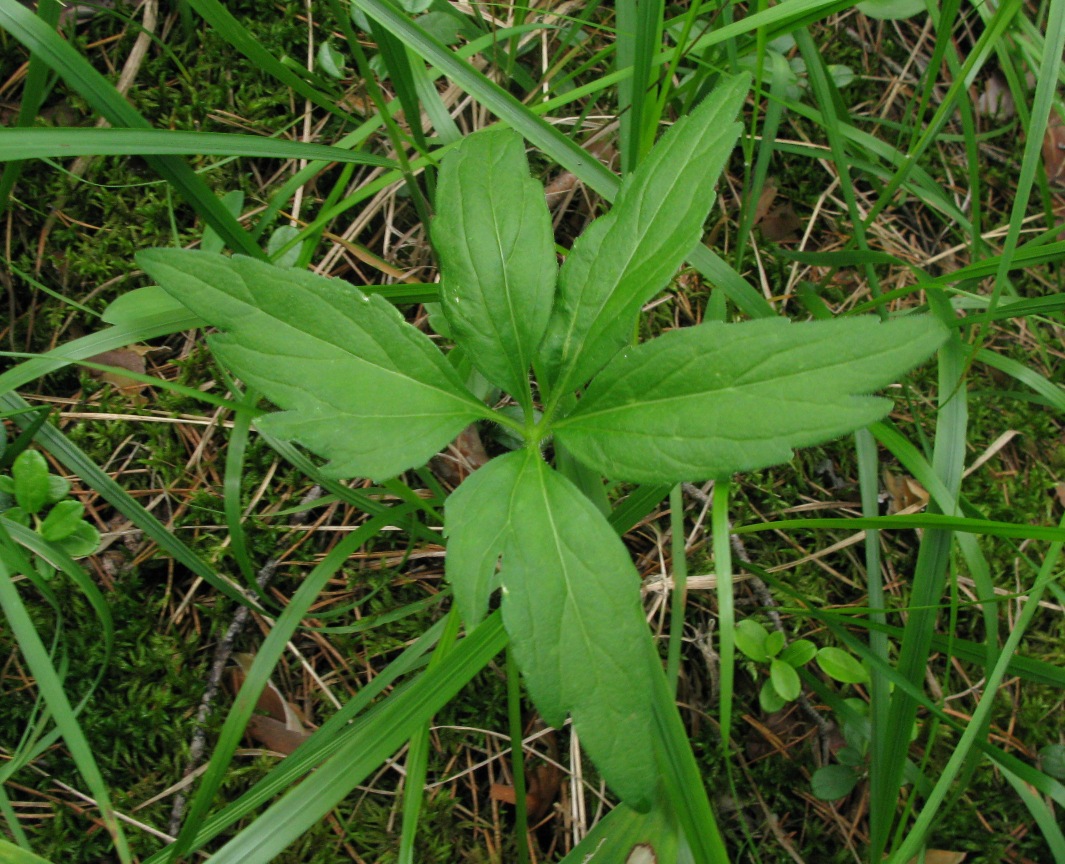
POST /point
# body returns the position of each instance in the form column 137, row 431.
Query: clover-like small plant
column 375, row 396
column 34, row 498
column 784, row 661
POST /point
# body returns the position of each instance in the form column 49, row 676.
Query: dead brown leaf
column 995, row 99
column 130, row 358
column 765, row 201
column 941, row 856
column 781, row 223
column 463, row 456
column 274, row 735
column 1054, row 149
column 777, row 223
column 542, row 782
column 282, row 727
column 904, row 493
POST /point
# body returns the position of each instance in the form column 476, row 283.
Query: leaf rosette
column 372, row 394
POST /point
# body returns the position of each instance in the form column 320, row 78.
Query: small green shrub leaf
column 31, row 486
column 330, row 60
column 496, row 248
column 58, row 488
column 84, row 540
column 838, row 664
column 831, row 782
column 477, row 522
column 61, row 521
column 785, row 679
column 773, row 643
column 851, row 756
column 1052, row 760
column 18, row 516
column 630, row 254
column 750, row 639
column 768, row 698
column 280, row 237
column 571, row 604
column 711, row 400
column 799, row 653
column 360, row 385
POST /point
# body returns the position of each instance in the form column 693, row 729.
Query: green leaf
column 630, row 254
column 768, row 698
column 131, row 308
column 443, row 26
column 84, row 540
column 1052, row 760
column 711, row 400
column 494, row 239
column 58, row 488
column 844, row 667
column 12, row 854
column 799, row 653
column 773, row 643
column 278, row 240
column 61, row 521
column 833, row 781
column 785, row 679
column 850, row 756
column 30, row 473
column 477, row 521
column 360, row 385
column 892, row 10
column 330, row 60
column 750, row 639
column 571, row 604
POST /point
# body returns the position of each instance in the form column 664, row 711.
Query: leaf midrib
column 239, row 328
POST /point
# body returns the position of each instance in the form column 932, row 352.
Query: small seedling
column 375, row 396
column 783, row 684
column 32, row 497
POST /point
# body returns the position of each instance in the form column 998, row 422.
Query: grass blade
column 60, row 143
column 61, row 57
column 371, row 741
column 13, row 562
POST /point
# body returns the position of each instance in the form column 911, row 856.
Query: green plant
column 33, row 498
column 375, row 396
column 783, row 684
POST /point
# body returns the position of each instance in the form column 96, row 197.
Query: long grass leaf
column 371, row 741
column 325, row 741
column 13, row 562
column 59, row 143
column 547, row 138
column 78, row 463
column 257, row 676
column 976, row 726
column 28, row 29
column 682, row 779
column 929, row 575
column 236, row 34
column 33, row 96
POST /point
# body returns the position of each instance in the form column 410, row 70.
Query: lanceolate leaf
column 497, row 255
column 707, row 401
column 477, row 522
column 571, row 604
column 630, row 254
column 361, row 386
